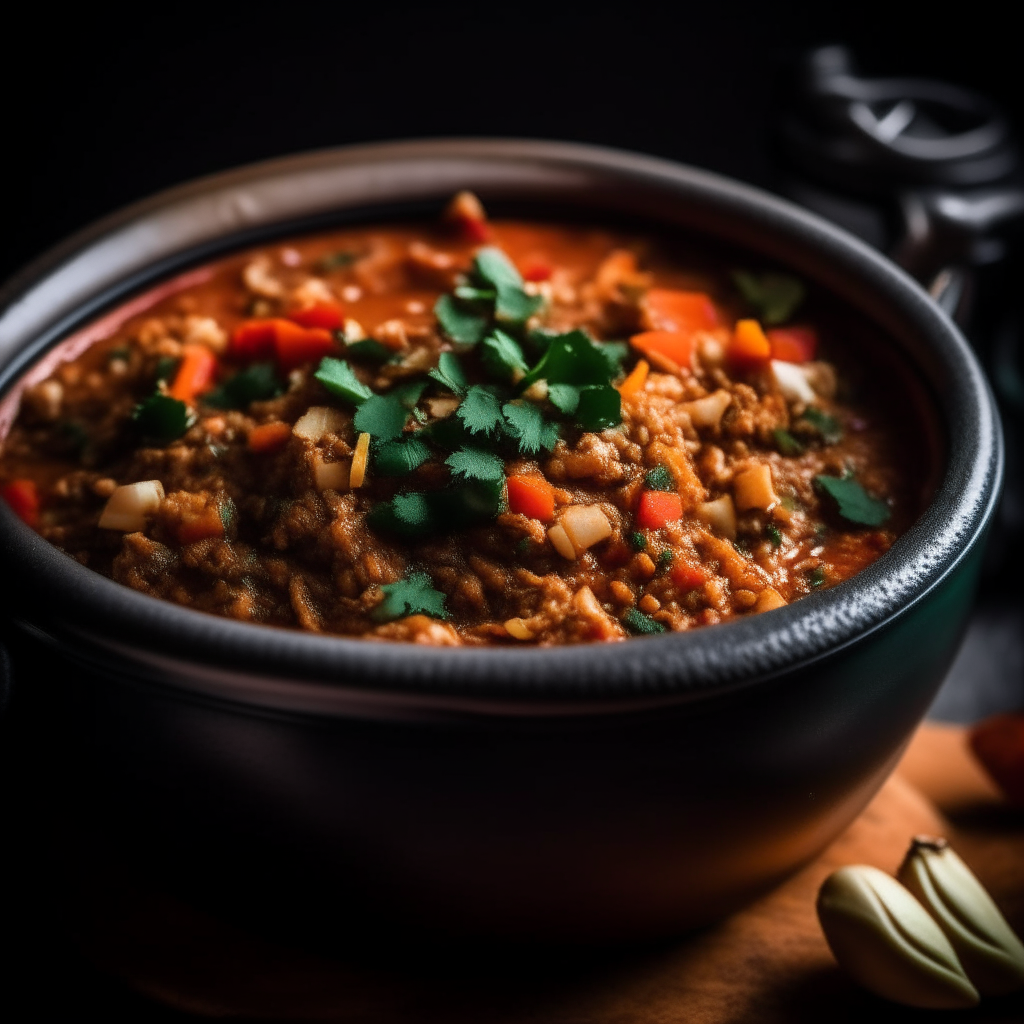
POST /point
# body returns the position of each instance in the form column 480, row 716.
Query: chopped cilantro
column 367, row 348
column 615, row 352
column 339, row 378
column 523, row 547
column 512, row 304
column 337, row 260
column 255, row 383
column 407, row 514
column 162, row 419
column 786, row 442
column 227, row 512
column 564, row 397
column 414, row 595
column 638, row 540
column 570, row 359
column 527, row 426
column 502, row 357
column 460, row 323
column 476, row 464
column 774, row 535
column 449, row 373
column 774, row 297
column 469, row 294
column 853, row 502
column 382, row 416
column 166, row 367
column 643, row 625
column 396, row 458
column 827, row 426
column 659, row 479
column 600, row 407
column 664, row 559
column 409, row 392
column 816, row 577
column 480, row 410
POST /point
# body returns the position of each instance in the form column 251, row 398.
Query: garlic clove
column 884, row 939
column 991, row 954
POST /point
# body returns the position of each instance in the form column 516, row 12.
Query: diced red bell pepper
column 793, row 344
column 327, row 315
column 658, row 509
column 687, row 576
column 536, row 270
column 195, row 374
column 749, row 348
column 268, row 437
column 252, row 340
column 531, row 496
column 23, row 497
column 295, row 345
column 675, row 346
column 466, row 213
column 685, row 312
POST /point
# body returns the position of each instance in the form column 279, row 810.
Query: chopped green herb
column 166, row 366
column 255, row 383
column 382, row 416
column 368, row 349
column 161, row 418
column 397, row 458
column 664, row 559
column 526, row 425
column 414, row 595
column 480, row 410
column 643, row 625
column 469, row 294
column 638, row 540
column 339, row 378
column 827, row 426
column 502, row 357
column 853, row 502
column 600, row 407
column 407, row 514
column 775, row 297
column 659, row 479
column 449, row 373
column 570, row 359
column 476, row 464
column 337, row 260
column 460, row 323
column 774, row 535
column 615, row 352
column 523, row 547
column 227, row 512
column 786, row 442
column 409, row 392
column 816, row 577
column 512, row 304
column 742, row 547
column 564, row 397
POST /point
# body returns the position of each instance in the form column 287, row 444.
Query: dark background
column 102, row 110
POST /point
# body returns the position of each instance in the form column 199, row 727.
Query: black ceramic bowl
column 596, row 792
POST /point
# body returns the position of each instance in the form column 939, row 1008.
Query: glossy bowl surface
column 592, row 792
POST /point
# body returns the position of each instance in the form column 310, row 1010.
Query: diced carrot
column 536, row 269
column 23, row 497
column 657, row 509
column 195, row 374
column 686, row 575
column 675, row 346
column 531, row 496
column 200, row 524
column 253, row 339
column 793, row 344
column 295, row 345
column 268, row 437
column 749, row 348
column 998, row 743
column 634, row 383
column 685, row 312
column 327, row 315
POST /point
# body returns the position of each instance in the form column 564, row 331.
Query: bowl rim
column 294, row 670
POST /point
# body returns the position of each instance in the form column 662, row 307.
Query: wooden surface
column 768, row 963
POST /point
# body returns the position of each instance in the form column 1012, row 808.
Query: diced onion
column 359, row 460
column 560, row 540
column 130, row 506
column 585, row 525
column 720, row 515
column 318, row 421
column 753, row 488
column 518, row 629
column 353, row 331
column 331, row 476
column 768, row 599
column 707, row 411
column 792, row 382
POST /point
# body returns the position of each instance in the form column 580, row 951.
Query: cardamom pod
column 990, row 952
column 885, row 940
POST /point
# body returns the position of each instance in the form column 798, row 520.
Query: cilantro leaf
column 570, row 359
column 827, row 426
column 774, row 296
column 414, row 595
column 396, row 458
column 511, row 304
column 564, row 397
column 161, row 418
column 470, row 294
column 526, row 425
column 600, row 407
column 853, row 502
column 615, row 352
column 166, row 367
column 367, row 348
column 480, row 410
column 409, row 393
column 407, row 514
column 459, row 322
column 476, row 464
column 381, row 416
column 638, row 540
column 643, row 625
column 502, row 356
column 255, row 383
column 659, row 479
column 786, row 442
column 339, row 378
column 337, row 260
column 449, row 373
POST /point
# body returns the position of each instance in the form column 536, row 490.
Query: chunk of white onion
column 561, row 543
column 585, row 525
column 792, row 381
column 720, row 515
column 331, row 476
column 318, row 421
column 707, row 411
column 128, row 509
